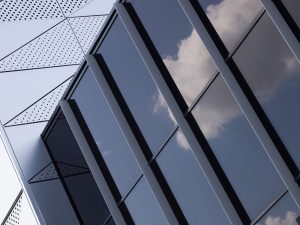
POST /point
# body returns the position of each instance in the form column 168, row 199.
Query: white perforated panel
column 58, row 46
column 18, row 10
column 14, row 217
column 42, row 109
column 69, row 6
column 86, row 29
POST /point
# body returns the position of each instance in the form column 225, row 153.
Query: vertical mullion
column 243, row 102
column 283, row 27
column 131, row 139
column 179, row 115
column 92, row 163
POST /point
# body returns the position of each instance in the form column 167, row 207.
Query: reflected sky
column 106, row 133
column 137, row 86
column 285, row 212
column 143, row 207
column 189, row 185
column 231, row 18
column 273, row 74
column 178, row 44
column 238, row 150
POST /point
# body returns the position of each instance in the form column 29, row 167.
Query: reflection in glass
column 188, row 184
column 231, row 18
column 82, row 188
column 143, row 207
column 273, row 74
column 293, row 6
column 106, row 133
column 138, row 89
column 285, row 212
column 238, row 150
column 178, row 44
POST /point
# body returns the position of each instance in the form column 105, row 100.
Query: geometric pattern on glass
column 42, row 109
column 70, row 6
column 56, row 47
column 14, row 216
column 50, row 173
column 86, row 29
column 17, row 10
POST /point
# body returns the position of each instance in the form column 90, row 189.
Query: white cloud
column 289, row 219
column 191, row 67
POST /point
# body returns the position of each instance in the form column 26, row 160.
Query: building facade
column 183, row 112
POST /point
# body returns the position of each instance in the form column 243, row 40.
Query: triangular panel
column 86, row 29
column 42, row 109
column 95, row 7
column 14, row 216
column 70, row 6
column 50, row 173
column 16, row 10
column 56, row 47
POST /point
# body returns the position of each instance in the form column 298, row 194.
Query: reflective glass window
column 231, row 18
column 138, row 89
column 293, row 6
column 143, row 206
column 188, row 183
column 237, row 148
column 273, row 74
column 284, row 212
column 106, row 133
column 178, row 44
column 75, row 172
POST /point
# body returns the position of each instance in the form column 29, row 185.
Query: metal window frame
column 243, row 102
column 131, row 139
column 92, row 163
column 282, row 26
column 177, row 111
column 24, row 184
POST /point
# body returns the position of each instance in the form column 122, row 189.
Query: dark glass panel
column 237, row 148
column 87, row 198
column 139, row 90
column 273, row 74
column 143, row 207
column 63, row 145
column 284, row 212
column 178, row 44
column 106, row 133
column 231, row 18
column 82, row 187
column 293, row 6
column 188, row 183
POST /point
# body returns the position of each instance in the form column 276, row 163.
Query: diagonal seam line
column 33, row 39
column 12, row 207
column 37, row 68
column 39, row 99
column 26, row 123
column 70, row 164
column 39, row 171
column 103, row 15
column 82, row 7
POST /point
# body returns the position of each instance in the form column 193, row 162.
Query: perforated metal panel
column 86, row 29
column 42, row 109
column 57, row 47
column 18, row 10
column 69, row 6
column 14, row 217
column 50, row 173
column 70, row 170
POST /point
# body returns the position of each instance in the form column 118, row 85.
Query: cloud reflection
column 289, row 219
